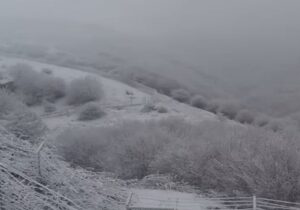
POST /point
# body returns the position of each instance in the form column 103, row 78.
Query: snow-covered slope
column 121, row 102
column 19, row 175
column 86, row 189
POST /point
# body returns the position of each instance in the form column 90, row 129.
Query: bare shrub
column 34, row 86
column 296, row 118
column 49, row 107
column 212, row 106
column 282, row 125
column 158, row 82
column 126, row 149
column 199, row 102
column 212, row 155
column 261, row 120
column 161, row 109
column 27, row 126
column 84, row 90
column 181, row 95
column 91, row 111
column 27, row 82
column 47, row 71
column 125, row 77
column 229, row 109
column 245, row 116
column 81, row 146
column 148, row 107
column 276, row 125
column 136, row 145
column 9, row 103
column 54, row 88
column 234, row 160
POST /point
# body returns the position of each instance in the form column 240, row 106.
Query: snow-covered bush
column 213, row 106
column 49, row 107
column 54, row 88
column 282, row 125
column 80, row 146
column 181, row 95
column 161, row 109
column 245, row 116
column 28, row 126
column 158, row 82
column 47, row 71
column 296, row 118
column 261, row 120
column 27, row 83
column 148, row 107
column 212, row 155
column 199, row 102
column 91, row 111
column 229, row 109
column 35, row 86
column 126, row 149
column 276, row 124
column 84, row 90
column 234, row 160
column 9, row 103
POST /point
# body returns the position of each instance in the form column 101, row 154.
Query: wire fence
column 17, row 191
column 140, row 202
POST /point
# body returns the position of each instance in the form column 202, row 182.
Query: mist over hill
column 245, row 50
column 107, row 101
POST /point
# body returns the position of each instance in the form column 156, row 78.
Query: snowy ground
column 169, row 200
column 118, row 105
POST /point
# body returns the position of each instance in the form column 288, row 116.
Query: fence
column 19, row 192
column 216, row 203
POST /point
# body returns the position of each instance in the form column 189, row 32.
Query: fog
column 150, row 104
column 250, row 43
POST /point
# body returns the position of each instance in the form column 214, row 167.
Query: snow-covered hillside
column 24, row 187
column 121, row 102
column 87, row 189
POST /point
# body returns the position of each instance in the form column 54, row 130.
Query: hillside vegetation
column 86, row 189
column 211, row 155
column 99, row 125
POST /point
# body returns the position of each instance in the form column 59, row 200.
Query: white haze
column 249, row 43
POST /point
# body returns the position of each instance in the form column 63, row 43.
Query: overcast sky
column 162, row 16
column 227, row 33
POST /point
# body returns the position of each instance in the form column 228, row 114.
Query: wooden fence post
column 254, row 202
column 39, row 157
column 128, row 201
